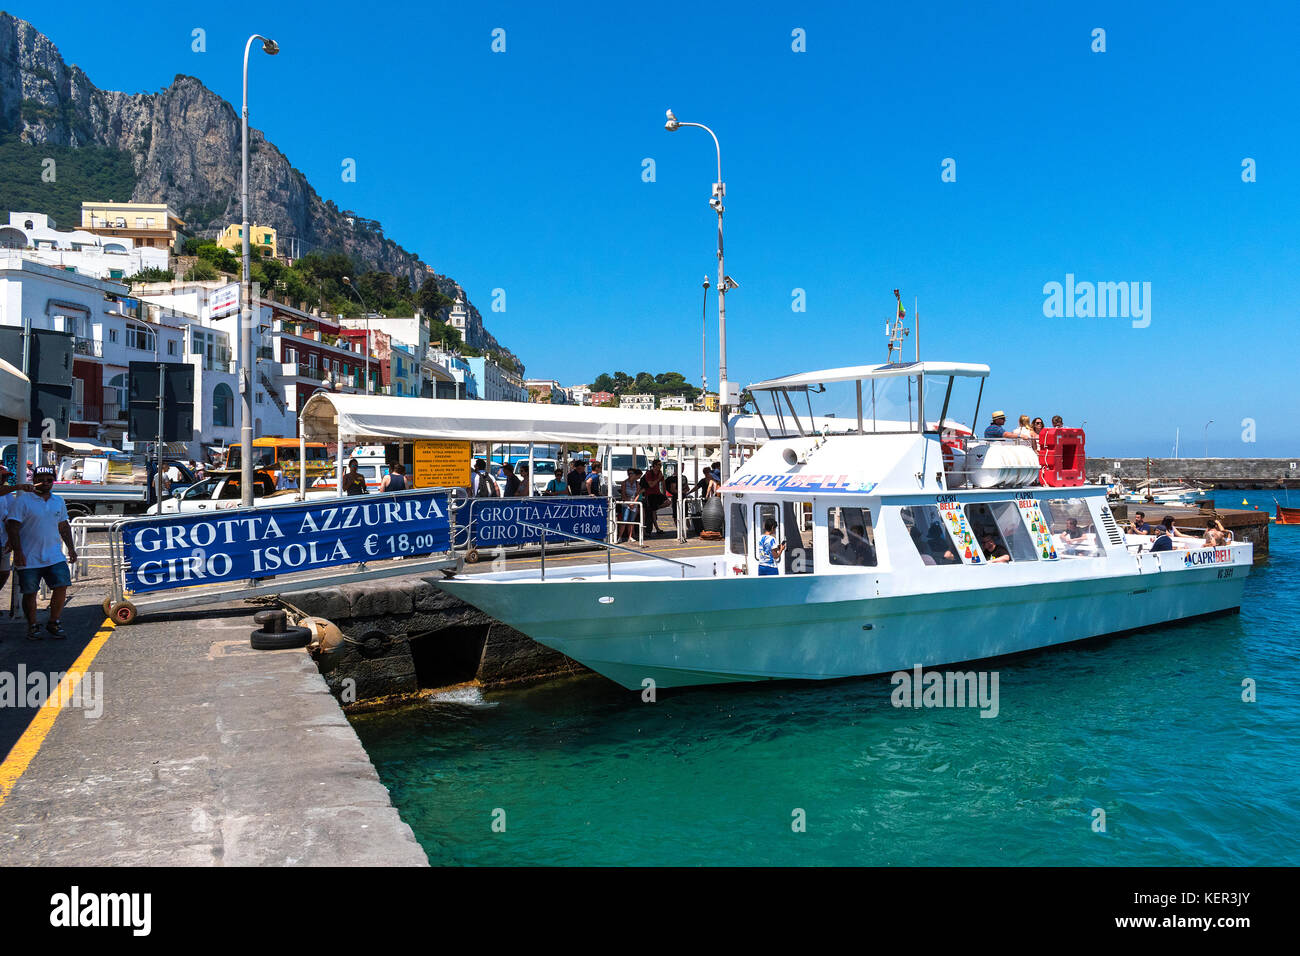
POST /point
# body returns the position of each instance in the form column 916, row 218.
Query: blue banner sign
column 498, row 521
column 232, row 546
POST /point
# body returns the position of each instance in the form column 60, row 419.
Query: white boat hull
column 715, row 630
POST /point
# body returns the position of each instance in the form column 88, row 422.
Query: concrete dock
column 205, row 752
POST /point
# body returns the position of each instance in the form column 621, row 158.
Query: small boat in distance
column 1286, row 515
column 906, row 540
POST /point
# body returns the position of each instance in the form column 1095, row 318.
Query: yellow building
column 710, row 401
column 149, row 224
column 259, row 238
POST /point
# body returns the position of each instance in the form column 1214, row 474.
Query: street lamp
column 704, row 332
column 1207, row 437
column 271, row 48
column 357, row 292
column 725, row 283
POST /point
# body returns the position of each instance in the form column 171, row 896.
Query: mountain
column 183, row 147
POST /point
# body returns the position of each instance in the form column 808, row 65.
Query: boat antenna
column 897, row 330
column 916, row 318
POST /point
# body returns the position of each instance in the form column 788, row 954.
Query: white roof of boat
column 889, row 370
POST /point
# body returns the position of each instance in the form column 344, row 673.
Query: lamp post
column 366, row 310
column 271, row 48
column 1207, row 437
column 725, row 283
column 704, row 334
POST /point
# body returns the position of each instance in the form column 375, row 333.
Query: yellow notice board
column 441, row 464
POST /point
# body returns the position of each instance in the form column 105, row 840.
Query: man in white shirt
column 38, row 528
column 6, row 490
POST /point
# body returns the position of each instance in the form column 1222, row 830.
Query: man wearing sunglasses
column 38, row 527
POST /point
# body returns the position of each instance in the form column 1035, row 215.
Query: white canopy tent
column 328, row 416
column 15, row 393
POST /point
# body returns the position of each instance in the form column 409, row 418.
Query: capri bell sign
column 255, row 543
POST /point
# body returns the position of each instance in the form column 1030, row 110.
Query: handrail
column 609, row 548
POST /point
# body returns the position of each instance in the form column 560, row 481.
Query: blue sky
column 522, row 171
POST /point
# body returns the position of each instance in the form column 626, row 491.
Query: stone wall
column 407, row 635
column 1224, row 472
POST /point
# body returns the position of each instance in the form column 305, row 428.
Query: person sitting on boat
column 860, row 548
column 1058, row 421
column 1163, row 541
column 1215, row 537
column 1022, row 431
column 1140, row 525
column 937, row 545
column 1173, row 532
column 994, row 551
column 768, row 549
column 995, row 429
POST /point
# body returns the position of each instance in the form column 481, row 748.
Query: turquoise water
column 1150, row 728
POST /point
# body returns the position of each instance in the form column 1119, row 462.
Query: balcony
column 291, row 369
column 90, row 347
column 266, row 352
column 113, row 412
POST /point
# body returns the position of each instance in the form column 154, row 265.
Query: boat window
column 763, row 512
column 799, row 541
column 1073, row 533
column 850, row 537
column 928, row 533
column 738, row 540
column 997, row 523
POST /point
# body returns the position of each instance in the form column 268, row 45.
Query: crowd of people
column 1027, row 429
column 1163, row 534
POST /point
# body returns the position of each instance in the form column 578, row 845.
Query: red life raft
column 1062, row 457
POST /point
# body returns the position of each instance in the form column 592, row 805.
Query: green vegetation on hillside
column 84, row 174
column 643, row 383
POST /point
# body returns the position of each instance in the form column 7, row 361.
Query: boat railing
column 609, row 549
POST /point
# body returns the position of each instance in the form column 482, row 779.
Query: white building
column 35, row 236
column 496, row 384
column 674, row 402
column 644, row 403
column 581, row 394
column 110, row 329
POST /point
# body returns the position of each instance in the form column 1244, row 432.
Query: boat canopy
column 329, row 416
column 858, row 372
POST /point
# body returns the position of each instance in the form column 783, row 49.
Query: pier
column 1259, row 474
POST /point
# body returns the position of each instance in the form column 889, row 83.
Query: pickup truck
column 222, row 491
column 82, row 485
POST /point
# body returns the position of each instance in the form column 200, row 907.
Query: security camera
column 716, row 204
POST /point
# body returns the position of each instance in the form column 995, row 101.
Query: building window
column 171, row 347
column 223, row 406
column 112, row 335
column 139, row 338
column 118, row 384
column 259, row 398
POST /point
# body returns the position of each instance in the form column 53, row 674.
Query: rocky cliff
column 185, row 144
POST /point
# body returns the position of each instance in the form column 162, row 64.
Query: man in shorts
column 7, row 495
column 38, row 528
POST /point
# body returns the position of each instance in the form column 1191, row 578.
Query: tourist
column 1058, row 421
column 354, row 483
column 1214, row 536
column 768, row 549
column 1037, row 427
column 629, row 490
column 995, row 429
column 512, row 481
column 1073, row 534
column 557, row 484
column 653, row 497
column 521, row 470
column 1163, row 541
column 1173, row 532
column 36, row 522
column 395, row 480
column 1022, row 430
column 594, row 485
column 1140, row 525
column 6, row 490
column 577, row 477
column 481, row 483
column 994, row 551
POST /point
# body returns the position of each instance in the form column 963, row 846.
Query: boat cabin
column 865, row 469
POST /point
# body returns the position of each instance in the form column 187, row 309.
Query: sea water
column 1137, row 750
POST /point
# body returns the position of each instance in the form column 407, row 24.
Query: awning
column 15, row 393
column 84, row 447
column 328, row 416
column 888, row 370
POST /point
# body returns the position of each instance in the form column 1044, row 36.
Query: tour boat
column 909, row 541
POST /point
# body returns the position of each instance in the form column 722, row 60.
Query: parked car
column 222, row 491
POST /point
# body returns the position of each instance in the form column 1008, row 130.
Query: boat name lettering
column 802, row 482
column 1207, row 556
column 942, row 499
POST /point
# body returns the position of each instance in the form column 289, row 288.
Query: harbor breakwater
column 403, row 636
column 1243, row 473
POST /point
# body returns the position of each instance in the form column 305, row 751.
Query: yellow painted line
column 25, row 750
